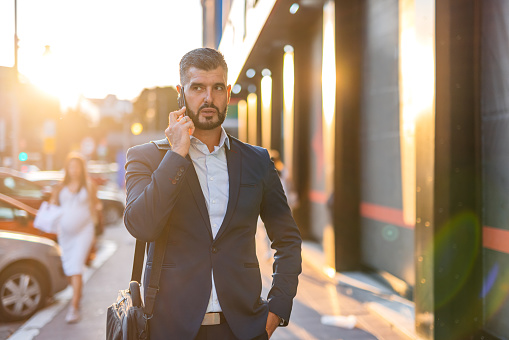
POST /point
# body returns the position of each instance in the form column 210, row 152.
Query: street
column 317, row 296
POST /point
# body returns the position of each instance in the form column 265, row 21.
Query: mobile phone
column 181, row 98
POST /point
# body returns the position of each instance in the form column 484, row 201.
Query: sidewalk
column 318, row 296
column 98, row 293
column 395, row 313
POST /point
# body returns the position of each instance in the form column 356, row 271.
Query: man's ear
column 179, row 89
column 229, row 91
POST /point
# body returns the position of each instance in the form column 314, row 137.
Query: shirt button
column 213, row 201
column 213, row 250
column 211, row 178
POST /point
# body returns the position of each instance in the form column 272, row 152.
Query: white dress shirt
column 212, row 171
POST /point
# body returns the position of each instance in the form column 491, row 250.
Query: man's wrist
column 180, row 152
column 281, row 321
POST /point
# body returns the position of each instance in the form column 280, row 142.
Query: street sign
column 50, row 128
column 49, row 145
column 87, row 146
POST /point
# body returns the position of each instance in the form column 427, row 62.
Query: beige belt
column 212, row 319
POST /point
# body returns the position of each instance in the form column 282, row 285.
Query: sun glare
column 92, row 47
column 53, row 75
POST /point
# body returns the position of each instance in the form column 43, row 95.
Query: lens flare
column 495, row 290
column 489, row 281
column 457, row 247
column 390, row 233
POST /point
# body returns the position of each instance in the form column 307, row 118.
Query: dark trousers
column 221, row 332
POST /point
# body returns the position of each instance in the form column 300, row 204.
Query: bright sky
column 100, row 47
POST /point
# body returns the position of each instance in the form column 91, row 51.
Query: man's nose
column 208, row 96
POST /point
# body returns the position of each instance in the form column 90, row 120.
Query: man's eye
column 219, row 88
column 198, row 88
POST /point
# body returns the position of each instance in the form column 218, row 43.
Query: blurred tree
column 72, row 127
column 152, row 107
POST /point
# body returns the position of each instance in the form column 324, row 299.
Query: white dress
column 76, row 230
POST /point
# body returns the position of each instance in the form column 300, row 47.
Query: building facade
column 390, row 117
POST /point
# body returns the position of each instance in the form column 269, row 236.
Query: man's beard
column 209, row 124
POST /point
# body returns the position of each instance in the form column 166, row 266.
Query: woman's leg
column 73, row 315
column 77, row 286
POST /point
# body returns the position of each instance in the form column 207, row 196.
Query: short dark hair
column 202, row 58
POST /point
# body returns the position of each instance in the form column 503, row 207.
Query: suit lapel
column 234, row 161
column 194, row 184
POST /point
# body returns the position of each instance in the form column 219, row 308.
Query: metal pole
column 16, row 36
column 15, row 96
column 15, row 127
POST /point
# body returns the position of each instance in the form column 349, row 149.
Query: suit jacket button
column 174, row 181
column 213, row 250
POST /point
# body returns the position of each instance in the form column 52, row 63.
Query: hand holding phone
column 178, row 132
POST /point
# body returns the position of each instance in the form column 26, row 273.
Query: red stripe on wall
column 384, row 214
column 319, row 197
column 495, row 239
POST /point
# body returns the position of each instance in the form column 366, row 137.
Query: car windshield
column 18, row 187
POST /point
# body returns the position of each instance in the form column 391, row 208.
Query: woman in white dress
column 77, row 197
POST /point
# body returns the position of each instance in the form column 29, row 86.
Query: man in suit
column 209, row 189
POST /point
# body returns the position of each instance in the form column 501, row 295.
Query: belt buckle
column 211, row 319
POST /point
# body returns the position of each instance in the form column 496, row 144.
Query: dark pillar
column 301, row 137
column 448, row 245
column 349, row 57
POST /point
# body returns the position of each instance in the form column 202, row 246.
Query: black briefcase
column 127, row 318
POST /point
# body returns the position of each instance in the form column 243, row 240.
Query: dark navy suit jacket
column 163, row 190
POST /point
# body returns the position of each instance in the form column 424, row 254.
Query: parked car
column 35, row 187
column 112, row 201
column 30, row 272
column 19, row 217
column 14, row 185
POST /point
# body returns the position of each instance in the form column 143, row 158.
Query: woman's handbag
column 47, row 218
column 127, row 318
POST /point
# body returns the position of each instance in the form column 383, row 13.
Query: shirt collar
column 222, row 140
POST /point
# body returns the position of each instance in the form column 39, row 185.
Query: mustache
column 208, row 106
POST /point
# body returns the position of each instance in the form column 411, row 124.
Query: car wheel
column 111, row 215
column 22, row 292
